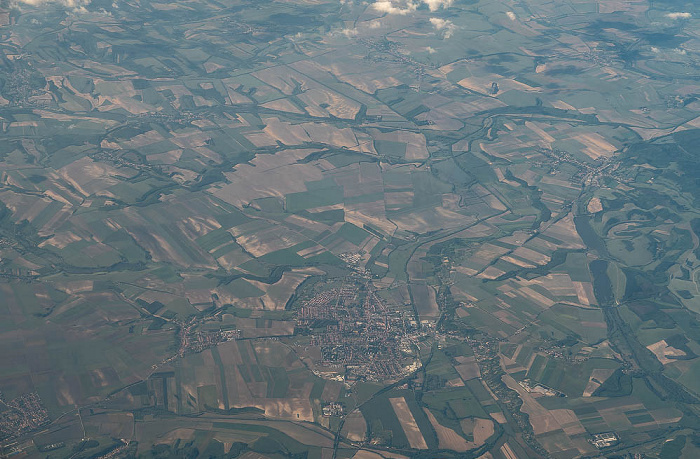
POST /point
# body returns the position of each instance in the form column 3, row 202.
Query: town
column 356, row 330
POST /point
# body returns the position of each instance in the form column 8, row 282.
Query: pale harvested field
column 531, row 255
column 282, row 105
column 595, row 145
column 494, row 203
column 170, row 157
column 481, row 429
column 551, row 199
column 233, row 258
column 568, row 420
column 177, row 434
column 283, row 78
column 63, row 117
column 76, row 286
column 355, row 427
column 288, row 408
column 89, row 177
column 663, row 351
column 364, row 454
column 269, row 240
column 268, row 175
column 141, row 140
column 597, row 378
column 278, row 294
column 311, row 251
column 565, row 231
column 536, row 297
column 331, row 135
column 495, row 150
column 369, row 86
column 316, row 94
column 234, row 97
column 189, row 138
column 260, row 139
column 482, row 84
column 306, row 223
column 408, row 423
column 253, row 455
column 432, row 219
column 158, row 247
column 61, row 240
column 126, row 102
column 462, row 295
column 485, row 255
column 303, row 433
column 508, row 452
column 384, row 454
column 230, row 436
column 557, row 284
column 447, row 438
column 517, row 262
column 62, row 193
column 366, row 82
column 337, row 105
column 540, row 132
column 584, row 291
column 195, row 227
column 286, row 133
column 544, row 420
column 540, row 418
column 371, row 213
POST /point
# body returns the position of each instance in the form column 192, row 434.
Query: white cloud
column 434, row 5
column 511, row 15
column 679, row 15
column 680, row 51
column 443, row 24
column 349, row 32
column 430, row 50
column 388, row 6
column 77, row 5
column 439, row 23
column 404, row 7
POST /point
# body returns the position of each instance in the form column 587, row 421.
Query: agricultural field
column 349, row 229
